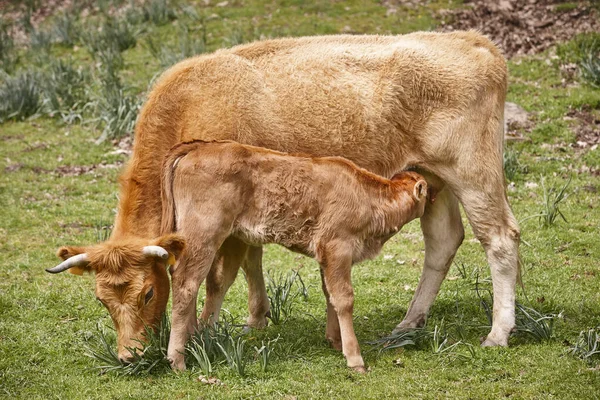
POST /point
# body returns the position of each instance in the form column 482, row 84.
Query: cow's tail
column 169, row 211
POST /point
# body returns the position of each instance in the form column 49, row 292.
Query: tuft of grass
column 22, row 96
column 553, row 198
column 235, row 354
column 264, row 353
column 66, row 30
column 584, row 51
column 115, row 34
column 281, row 293
column 118, row 112
column 66, row 90
column 101, row 348
column 188, row 45
column 535, row 324
column 512, row 166
column 587, row 346
column 158, row 12
column 8, row 55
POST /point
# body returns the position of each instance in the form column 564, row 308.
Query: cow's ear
column 172, row 243
column 66, row 252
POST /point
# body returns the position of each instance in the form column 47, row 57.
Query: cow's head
column 414, row 184
column 131, row 281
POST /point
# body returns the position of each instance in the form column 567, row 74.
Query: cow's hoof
column 257, row 323
column 177, row 363
column 490, row 342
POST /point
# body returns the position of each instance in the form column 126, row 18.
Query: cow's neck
column 140, row 205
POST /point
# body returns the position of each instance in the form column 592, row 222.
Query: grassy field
column 58, row 186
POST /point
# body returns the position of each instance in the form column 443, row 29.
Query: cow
column 326, row 208
column 431, row 102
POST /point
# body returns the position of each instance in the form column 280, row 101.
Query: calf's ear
column 172, row 243
column 420, row 190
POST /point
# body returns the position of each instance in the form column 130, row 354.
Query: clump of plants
column 587, row 346
column 283, row 291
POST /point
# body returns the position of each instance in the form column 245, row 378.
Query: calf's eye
column 149, row 295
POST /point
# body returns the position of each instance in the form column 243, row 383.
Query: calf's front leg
column 186, row 278
column 336, row 265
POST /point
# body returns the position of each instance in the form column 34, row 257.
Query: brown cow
column 431, row 101
column 326, row 208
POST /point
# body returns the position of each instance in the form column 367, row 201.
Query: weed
column 66, row 30
column 114, row 34
column 103, row 230
column 512, row 166
column 22, row 96
column 552, row 199
column 538, row 326
column 187, row 45
column 584, row 51
column 587, row 346
column 234, row 353
column 8, row 56
column 118, row 111
column 264, row 353
column 153, row 356
column 40, row 40
column 197, row 349
column 66, row 89
column 159, row 12
column 281, row 294
column 400, row 339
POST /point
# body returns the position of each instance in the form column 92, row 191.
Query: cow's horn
column 75, row 261
column 155, row 251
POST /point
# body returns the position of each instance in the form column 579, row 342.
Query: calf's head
column 131, row 281
column 415, row 185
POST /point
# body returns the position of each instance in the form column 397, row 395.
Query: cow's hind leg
column 443, row 233
column 496, row 228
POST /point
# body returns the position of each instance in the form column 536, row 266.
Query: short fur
column 326, row 208
column 430, row 101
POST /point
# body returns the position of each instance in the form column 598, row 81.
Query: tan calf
column 326, row 208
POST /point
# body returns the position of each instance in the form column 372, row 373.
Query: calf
column 322, row 207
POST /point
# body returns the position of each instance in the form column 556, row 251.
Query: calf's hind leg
column 258, row 301
column 443, row 233
column 222, row 274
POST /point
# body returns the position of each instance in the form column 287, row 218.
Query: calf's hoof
column 335, row 343
column 360, row 370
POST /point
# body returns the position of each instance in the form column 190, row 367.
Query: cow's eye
column 149, row 295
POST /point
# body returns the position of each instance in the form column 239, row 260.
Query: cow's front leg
column 187, row 276
column 336, row 266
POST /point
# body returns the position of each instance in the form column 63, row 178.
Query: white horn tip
column 155, row 251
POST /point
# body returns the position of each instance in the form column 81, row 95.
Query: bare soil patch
column 586, row 128
column 524, row 26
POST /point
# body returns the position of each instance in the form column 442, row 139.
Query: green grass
column 48, row 323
